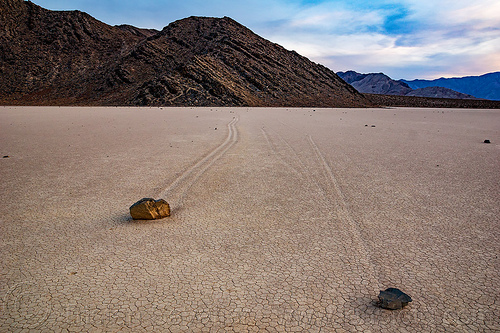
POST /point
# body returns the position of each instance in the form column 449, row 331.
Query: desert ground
column 282, row 219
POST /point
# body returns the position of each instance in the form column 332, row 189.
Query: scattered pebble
column 6, row 156
column 487, row 141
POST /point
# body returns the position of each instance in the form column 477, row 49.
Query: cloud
column 452, row 12
column 333, row 18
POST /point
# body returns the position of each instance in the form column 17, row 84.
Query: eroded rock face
column 393, row 299
column 150, row 209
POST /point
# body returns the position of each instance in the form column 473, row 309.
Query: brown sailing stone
column 150, row 209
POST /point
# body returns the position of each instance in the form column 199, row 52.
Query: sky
column 405, row 39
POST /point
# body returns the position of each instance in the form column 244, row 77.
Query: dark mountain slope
column 51, row 57
column 484, row 86
column 220, row 61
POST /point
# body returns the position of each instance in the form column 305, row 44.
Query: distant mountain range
column 486, row 86
column 379, row 83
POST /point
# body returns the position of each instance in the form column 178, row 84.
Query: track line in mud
column 177, row 190
column 345, row 214
column 332, row 195
column 302, row 170
column 274, row 149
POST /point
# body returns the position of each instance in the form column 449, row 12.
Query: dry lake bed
column 282, row 219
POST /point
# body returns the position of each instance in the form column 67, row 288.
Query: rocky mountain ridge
column 379, row 83
column 70, row 58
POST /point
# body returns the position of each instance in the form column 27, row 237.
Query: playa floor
column 282, row 219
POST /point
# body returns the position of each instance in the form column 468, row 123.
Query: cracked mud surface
column 282, row 219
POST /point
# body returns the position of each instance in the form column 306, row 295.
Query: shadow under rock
column 124, row 219
column 369, row 312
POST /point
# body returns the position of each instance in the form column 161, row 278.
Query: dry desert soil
column 282, row 219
